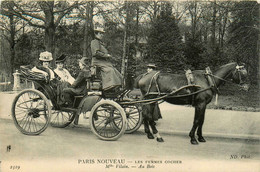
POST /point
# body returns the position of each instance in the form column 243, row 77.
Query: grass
column 232, row 98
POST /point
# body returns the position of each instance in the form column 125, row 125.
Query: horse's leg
column 199, row 131
column 147, row 129
column 155, row 131
column 199, row 111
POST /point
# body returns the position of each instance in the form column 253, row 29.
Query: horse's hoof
column 194, row 142
column 160, row 139
column 201, row 139
column 150, row 136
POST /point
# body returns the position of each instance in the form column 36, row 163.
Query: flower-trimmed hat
column 46, row 56
column 61, row 59
column 151, row 65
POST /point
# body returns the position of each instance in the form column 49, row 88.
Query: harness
column 190, row 79
column 154, row 78
column 211, row 80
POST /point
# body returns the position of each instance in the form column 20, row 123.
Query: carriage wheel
column 103, row 117
column 61, row 119
column 31, row 112
column 134, row 118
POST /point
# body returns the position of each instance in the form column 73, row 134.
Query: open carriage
column 112, row 115
column 109, row 116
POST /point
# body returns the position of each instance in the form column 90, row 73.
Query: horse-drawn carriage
column 34, row 109
column 112, row 115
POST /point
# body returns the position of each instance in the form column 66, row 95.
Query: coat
column 79, row 86
column 100, row 57
column 151, row 112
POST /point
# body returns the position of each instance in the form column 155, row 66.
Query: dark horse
column 198, row 97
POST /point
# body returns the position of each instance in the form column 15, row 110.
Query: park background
column 175, row 35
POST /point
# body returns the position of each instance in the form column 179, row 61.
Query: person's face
column 81, row 66
column 99, row 35
column 45, row 64
column 149, row 69
column 59, row 65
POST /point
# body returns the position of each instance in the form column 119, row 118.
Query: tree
column 43, row 14
column 10, row 30
column 243, row 36
column 165, row 42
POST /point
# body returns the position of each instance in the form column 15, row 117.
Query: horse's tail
column 136, row 81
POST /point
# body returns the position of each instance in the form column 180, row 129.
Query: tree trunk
column 50, row 34
column 50, row 41
column 258, row 47
column 12, row 43
column 124, row 60
column 213, row 27
column 85, row 38
column 87, row 31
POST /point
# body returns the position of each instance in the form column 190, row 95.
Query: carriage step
column 68, row 109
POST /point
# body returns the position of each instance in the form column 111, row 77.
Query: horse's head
column 240, row 76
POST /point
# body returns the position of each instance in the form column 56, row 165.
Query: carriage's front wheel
column 31, row 112
column 103, row 117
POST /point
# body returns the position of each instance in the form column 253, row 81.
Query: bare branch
column 22, row 12
column 28, row 20
column 65, row 11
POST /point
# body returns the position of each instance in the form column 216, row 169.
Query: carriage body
column 34, row 109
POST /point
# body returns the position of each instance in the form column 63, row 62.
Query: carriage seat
column 29, row 74
column 95, row 81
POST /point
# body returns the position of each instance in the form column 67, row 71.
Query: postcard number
column 15, row 167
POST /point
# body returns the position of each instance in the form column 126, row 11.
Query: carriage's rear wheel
column 103, row 117
column 31, row 112
column 61, row 119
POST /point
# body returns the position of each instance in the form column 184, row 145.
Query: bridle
column 238, row 70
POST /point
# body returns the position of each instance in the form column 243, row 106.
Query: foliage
column 28, row 47
column 164, row 42
column 69, row 39
column 174, row 35
column 72, row 65
column 243, row 36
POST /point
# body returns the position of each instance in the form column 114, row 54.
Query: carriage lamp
column 17, row 85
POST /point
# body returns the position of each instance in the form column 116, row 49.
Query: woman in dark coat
column 151, row 112
column 111, row 78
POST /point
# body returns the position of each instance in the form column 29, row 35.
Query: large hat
column 151, row 65
column 46, row 56
column 84, row 61
column 61, row 59
column 99, row 29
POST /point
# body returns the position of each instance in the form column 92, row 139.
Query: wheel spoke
column 30, row 111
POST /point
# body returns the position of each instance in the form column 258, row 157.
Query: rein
column 210, row 74
column 238, row 69
column 149, row 101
